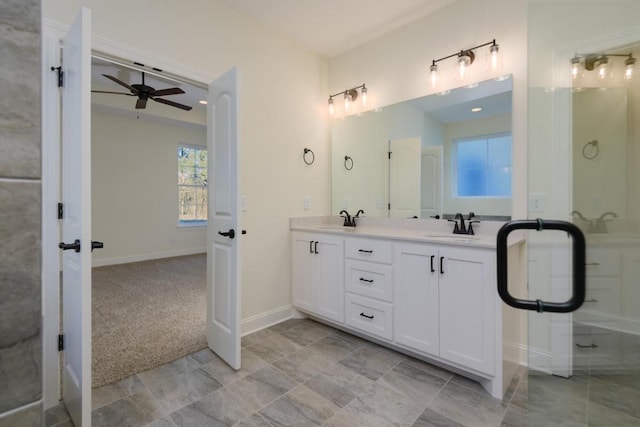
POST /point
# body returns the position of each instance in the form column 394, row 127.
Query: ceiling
column 332, row 27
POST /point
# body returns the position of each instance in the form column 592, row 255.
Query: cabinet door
column 415, row 287
column 302, row 271
column 329, row 278
column 467, row 308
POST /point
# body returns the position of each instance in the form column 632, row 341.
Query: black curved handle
column 362, row 279
column 441, row 265
column 433, row 270
column 230, row 234
column 368, row 317
column 315, row 247
column 66, row 246
column 579, row 266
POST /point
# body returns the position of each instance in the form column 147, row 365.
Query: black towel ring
column 304, row 156
column 347, row 159
column 593, row 152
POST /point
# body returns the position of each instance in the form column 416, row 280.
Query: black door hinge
column 60, row 75
column 389, row 206
column 60, row 342
column 60, row 211
column 389, row 155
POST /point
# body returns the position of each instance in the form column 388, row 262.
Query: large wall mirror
column 435, row 155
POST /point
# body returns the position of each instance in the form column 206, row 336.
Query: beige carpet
column 146, row 314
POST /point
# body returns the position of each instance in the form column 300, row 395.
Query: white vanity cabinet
column 445, row 302
column 369, row 293
column 318, row 274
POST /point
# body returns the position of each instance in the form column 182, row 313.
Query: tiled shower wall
column 20, row 214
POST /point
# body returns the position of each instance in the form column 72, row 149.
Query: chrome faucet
column 600, row 225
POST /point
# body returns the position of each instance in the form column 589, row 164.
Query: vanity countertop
column 423, row 231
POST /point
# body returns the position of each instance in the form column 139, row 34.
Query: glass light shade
column 347, row 101
column 603, row 67
column 494, row 57
column 331, row 107
column 629, row 65
column 575, row 68
column 433, row 75
column 363, row 94
column 464, row 61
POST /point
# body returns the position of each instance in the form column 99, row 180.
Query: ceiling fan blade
column 115, row 93
column 141, row 103
column 121, row 83
column 170, row 91
column 173, row 104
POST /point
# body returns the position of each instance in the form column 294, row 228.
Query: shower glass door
column 584, row 168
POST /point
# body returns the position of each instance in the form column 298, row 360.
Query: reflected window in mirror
column 482, row 166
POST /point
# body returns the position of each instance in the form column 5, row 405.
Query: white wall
column 282, row 110
column 135, row 190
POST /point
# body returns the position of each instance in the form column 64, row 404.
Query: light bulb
column 602, row 68
column 331, row 108
column 464, row 60
column 363, row 94
column 628, row 68
column 494, row 56
column 575, row 67
column 434, row 75
column 347, row 101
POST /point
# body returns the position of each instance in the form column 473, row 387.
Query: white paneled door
column 404, row 177
column 223, row 241
column 76, row 223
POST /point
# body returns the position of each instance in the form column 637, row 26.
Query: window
column 483, row 166
column 192, row 186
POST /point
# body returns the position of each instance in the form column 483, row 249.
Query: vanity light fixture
column 466, row 57
column 203, row 102
column 350, row 95
column 600, row 62
column 476, row 109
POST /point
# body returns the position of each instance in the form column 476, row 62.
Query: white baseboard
column 266, row 319
column 146, row 257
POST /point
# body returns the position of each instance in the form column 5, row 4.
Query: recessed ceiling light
column 203, row 102
column 476, row 109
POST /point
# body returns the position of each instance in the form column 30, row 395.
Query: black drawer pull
column 587, row 346
column 365, row 251
column 362, row 279
column 368, row 317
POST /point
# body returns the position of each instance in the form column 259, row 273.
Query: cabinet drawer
column 369, row 279
column 369, row 250
column 368, row 315
column 603, row 262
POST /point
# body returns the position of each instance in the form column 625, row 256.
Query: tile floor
column 303, row 373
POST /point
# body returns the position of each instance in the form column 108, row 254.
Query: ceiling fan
column 144, row 93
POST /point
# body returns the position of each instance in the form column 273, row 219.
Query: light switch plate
column 307, row 203
column 243, row 203
column 536, row 202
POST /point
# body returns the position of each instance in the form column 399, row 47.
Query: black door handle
column 96, row 245
column 230, row 234
column 432, row 269
column 66, row 246
column 311, row 247
column 441, row 265
column 579, row 267
column 315, row 248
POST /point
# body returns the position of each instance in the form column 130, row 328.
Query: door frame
column 52, row 34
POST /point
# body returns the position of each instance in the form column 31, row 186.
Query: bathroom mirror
column 435, row 155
